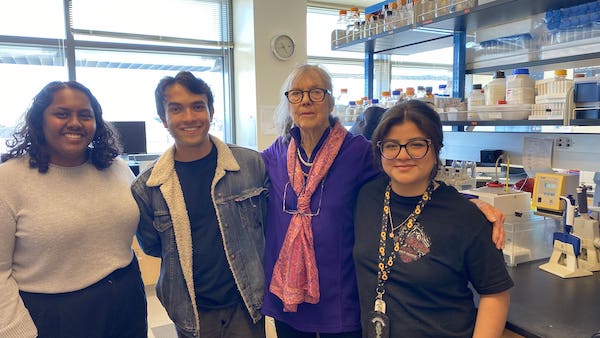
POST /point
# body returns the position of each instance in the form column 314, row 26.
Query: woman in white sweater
column 67, row 219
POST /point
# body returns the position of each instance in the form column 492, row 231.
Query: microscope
column 576, row 250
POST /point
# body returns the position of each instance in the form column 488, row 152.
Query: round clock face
column 283, row 46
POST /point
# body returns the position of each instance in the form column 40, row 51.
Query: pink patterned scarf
column 295, row 276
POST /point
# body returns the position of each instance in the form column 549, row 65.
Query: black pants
column 286, row 331
column 231, row 322
column 113, row 307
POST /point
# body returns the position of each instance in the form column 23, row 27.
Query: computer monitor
column 132, row 135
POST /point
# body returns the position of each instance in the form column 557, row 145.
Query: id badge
column 378, row 325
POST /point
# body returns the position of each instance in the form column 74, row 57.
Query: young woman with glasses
column 315, row 170
column 421, row 243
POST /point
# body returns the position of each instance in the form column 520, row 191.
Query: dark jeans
column 230, row 322
column 286, row 331
column 114, row 307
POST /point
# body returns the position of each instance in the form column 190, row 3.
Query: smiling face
column 311, row 116
column 187, row 118
column 409, row 177
column 69, row 126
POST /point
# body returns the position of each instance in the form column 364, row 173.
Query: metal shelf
column 572, row 61
column 511, row 123
column 475, row 123
column 585, row 122
column 453, row 30
column 438, row 32
column 402, row 41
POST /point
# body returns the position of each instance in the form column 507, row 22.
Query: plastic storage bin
column 553, row 100
column 587, row 89
column 528, row 237
column 501, row 112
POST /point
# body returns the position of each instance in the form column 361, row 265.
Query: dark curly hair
column 29, row 137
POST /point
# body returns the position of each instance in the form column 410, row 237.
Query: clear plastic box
column 549, row 109
column 501, row 112
column 528, row 237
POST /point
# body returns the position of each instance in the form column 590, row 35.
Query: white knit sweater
column 59, row 232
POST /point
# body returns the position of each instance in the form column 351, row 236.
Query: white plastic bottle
column 352, row 21
column 443, row 90
column 410, row 93
column 349, row 113
column 385, row 99
column 560, row 85
column 420, row 92
column 495, row 90
column 341, row 102
column 520, row 87
column 340, row 28
column 396, row 96
column 476, row 97
column 358, row 109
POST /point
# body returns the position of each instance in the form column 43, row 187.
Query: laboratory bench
column 545, row 305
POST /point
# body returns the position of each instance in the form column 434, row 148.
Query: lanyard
column 385, row 264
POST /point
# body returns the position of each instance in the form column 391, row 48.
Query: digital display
column 550, row 185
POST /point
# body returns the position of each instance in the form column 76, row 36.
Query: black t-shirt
column 428, row 296
column 213, row 280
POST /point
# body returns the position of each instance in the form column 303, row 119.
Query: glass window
column 25, row 70
column 428, row 69
column 33, row 18
column 181, row 19
column 320, row 23
column 122, row 49
column 124, row 83
column 346, row 68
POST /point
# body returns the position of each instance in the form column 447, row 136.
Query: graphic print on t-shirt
column 416, row 245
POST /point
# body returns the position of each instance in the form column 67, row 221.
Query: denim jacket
column 239, row 192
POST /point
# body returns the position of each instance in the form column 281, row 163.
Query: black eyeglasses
column 416, row 149
column 315, row 95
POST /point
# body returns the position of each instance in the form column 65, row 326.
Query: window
column 118, row 49
column 124, row 83
column 33, row 18
column 346, row 68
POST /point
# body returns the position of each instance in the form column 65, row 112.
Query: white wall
column 583, row 154
column 258, row 75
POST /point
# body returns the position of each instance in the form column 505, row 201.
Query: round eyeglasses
column 416, row 149
column 315, row 95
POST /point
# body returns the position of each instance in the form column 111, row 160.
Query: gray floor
column 164, row 331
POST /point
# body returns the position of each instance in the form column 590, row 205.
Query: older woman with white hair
column 316, row 169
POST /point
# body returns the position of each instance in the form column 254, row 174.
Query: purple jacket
column 333, row 232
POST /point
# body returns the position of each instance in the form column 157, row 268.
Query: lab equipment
column 527, row 237
column 596, row 200
column 566, row 249
column 549, row 187
column 587, row 230
column 461, row 175
column 508, row 201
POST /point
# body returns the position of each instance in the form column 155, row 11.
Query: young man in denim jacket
column 202, row 207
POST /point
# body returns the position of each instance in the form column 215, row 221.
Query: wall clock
column 283, row 46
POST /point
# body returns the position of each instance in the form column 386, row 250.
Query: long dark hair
column 29, row 137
